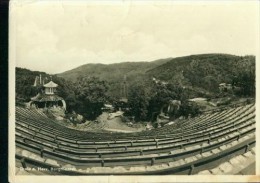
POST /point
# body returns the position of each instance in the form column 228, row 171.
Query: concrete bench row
column 35, row 131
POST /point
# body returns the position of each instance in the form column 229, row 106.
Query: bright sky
column 58, row 36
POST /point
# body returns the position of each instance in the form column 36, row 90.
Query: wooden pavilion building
column 47, row 98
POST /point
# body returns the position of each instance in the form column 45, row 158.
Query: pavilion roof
column 51, row 84
column 41, row 97
column 125, row 100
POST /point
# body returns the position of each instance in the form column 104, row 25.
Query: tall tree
column 91, row 95
column 138, row 100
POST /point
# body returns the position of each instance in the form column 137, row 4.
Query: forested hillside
column 24, row 80
column 200, row 73
column 114, row 73
column 150, row 85
column 85, row 96
column 207, row 71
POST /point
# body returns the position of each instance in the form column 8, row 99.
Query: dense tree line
column 146, row 103
column 91, row 94
column 189, row 77
column 244, row 79
column 203, row 73
column 182, row 78
column 85, row 96
column 207, row 71
column 24, row 80
column 138, row 101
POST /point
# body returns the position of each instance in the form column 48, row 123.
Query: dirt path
column 116, row 124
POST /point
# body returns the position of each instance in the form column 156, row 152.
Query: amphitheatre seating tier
column 188, row 165
column 41, row 127
column 122, row 152
column 133, row 144
column 182, row 148
column 63, row 131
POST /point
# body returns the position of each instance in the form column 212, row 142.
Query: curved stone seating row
column 66, row 131
column 129, row 150
column 51, row 136
column 204, row 123
column 155, row 144
column 185, row 165
column 133, row 144
column 206, row 140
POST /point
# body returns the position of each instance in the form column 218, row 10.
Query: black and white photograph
column 127, row 91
